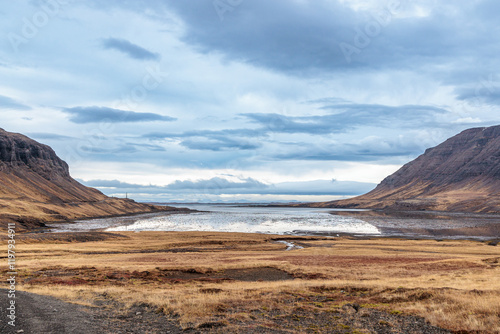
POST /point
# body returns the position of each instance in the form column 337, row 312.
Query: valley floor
column 199, row 282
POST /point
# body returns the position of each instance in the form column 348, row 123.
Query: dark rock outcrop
column 461, row 174
column 33, row 170
column 36, row 184
column 18, row 151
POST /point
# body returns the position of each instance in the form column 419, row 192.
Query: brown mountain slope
column 35, row 185
column 462, row 174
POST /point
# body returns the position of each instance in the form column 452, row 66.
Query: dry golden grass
column 461, row 309
column 453, row 284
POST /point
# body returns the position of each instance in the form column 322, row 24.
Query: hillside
column 462, row 175
column 35, row 186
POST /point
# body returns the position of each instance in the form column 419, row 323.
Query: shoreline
column 127, row 219
column 45, row 226
column 431, row 224
column 392, row 225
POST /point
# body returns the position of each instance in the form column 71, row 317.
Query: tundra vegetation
column 228, row 281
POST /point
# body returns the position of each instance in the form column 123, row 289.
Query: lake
column 231, row 218
column 297, row 221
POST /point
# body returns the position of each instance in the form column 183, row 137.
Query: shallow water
column 297, row 221
column 225, row 218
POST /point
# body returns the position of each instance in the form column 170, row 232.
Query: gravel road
column 39, row 314
column 43, row 314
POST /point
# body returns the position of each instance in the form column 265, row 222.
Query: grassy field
column 233, row 279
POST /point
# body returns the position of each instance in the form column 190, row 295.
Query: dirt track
column 43, row 314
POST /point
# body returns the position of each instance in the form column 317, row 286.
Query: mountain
column 462, row 175
column 36, row 187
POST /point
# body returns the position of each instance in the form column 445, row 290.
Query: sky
column 245, row 100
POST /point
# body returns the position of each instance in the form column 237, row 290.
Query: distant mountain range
column 461, row 175
column 36, row 187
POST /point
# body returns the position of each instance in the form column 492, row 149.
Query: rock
column 351, row 308
column 462, row 175
column 18, row 151
column 36, row 186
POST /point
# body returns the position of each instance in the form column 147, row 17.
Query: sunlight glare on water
column 254, row 220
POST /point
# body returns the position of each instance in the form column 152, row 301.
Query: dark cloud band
column 94, row 114
column 132, row 50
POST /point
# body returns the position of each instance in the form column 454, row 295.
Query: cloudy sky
column 245, row 100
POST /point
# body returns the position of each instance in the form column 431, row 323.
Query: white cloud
column 266, row 57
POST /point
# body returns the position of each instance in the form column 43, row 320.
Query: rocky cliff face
column 461, row 174
column 35, row 186
column 18, row 151
column 471, row 156
column 31, row 170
